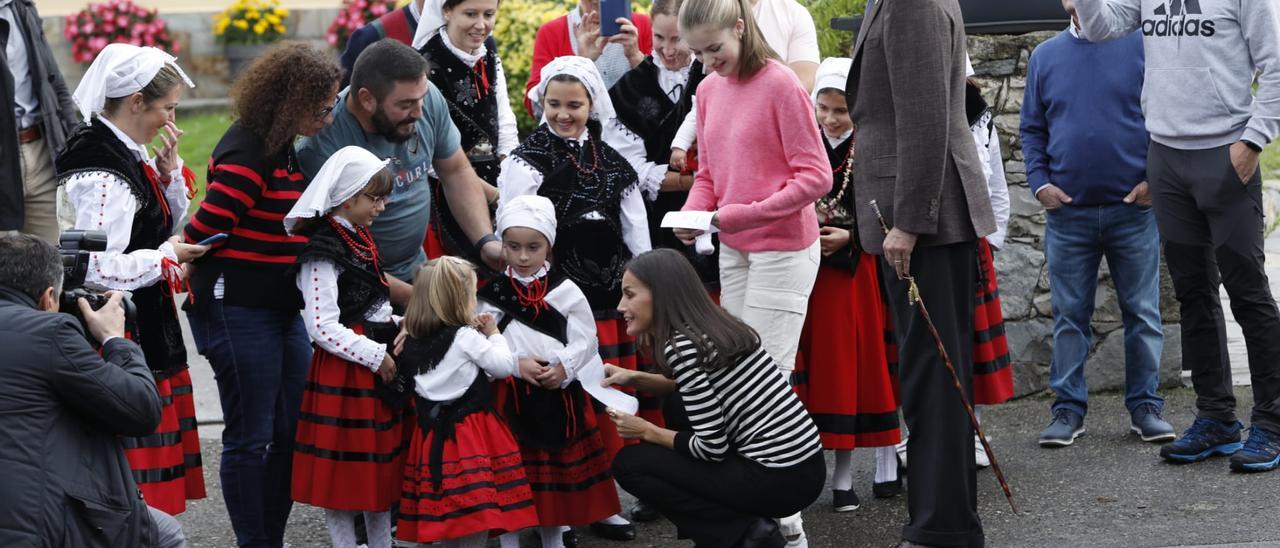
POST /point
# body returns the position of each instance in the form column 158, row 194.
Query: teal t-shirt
column 402, row 227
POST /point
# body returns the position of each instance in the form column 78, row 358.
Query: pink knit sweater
column 761, row 162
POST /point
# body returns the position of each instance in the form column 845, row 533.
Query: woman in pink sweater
column 762, row 166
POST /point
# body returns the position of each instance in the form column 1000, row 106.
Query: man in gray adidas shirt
column 1207, row 129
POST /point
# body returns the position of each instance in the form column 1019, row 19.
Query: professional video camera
column 75, row 247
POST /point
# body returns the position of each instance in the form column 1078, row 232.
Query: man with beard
column 391, row 110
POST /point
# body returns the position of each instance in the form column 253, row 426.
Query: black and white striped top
column 747, row 408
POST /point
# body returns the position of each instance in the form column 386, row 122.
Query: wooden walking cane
column 913, row 298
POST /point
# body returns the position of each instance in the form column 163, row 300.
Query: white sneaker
column 799, row 542
column 980, row 454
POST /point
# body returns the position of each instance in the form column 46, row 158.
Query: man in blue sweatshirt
column 1208, row 127
column 1085, row 147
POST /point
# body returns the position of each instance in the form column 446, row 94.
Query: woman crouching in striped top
column 748, row 452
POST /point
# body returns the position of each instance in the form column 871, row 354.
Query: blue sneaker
column 1067, row 425
column 1261, row 452
column 1205, row 438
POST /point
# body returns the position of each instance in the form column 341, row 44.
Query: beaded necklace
column 534, row 296
column 595, row 159
column 830, row 207
column 366, row 251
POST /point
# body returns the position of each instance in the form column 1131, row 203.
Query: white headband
column 832, row 73
column 529, row 211
column 342, row 176
column 585, row 71
column 430, row 22
column 120, row 70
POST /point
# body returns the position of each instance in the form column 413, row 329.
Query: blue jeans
column 1076, row 240
column 260, row 358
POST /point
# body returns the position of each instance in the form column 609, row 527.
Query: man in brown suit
column 917, row 160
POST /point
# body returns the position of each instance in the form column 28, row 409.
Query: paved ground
column 1109, row 489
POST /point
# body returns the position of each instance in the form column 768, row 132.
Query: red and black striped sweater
column 248, row 194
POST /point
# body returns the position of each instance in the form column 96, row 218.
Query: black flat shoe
column 764, row 533
column 569, row 539
column 644, row 513
column 844, row 500
column 613, row 532
column 888, row 489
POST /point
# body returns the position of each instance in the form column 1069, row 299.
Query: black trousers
column 1211, row 223
column 713, row 503
column 942, row 493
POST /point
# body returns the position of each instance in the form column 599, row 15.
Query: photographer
column 64, row 480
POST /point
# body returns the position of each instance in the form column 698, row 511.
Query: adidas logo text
column 1174, row 19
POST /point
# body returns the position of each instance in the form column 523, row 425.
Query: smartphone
column 213, row 239
column 610, row 11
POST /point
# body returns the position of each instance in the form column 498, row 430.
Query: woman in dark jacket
column 244, row 303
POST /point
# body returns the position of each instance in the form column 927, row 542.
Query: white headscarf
column 342, row 176
column 585, row 71
column 529, row 211
column 832, row 73
column 120, row 70
column 430, row 23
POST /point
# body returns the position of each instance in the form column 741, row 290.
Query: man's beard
column 396, row 133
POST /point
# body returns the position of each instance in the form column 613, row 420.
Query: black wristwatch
column 1255, row 146
column 484, row 240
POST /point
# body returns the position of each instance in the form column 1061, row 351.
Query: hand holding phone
column 610, row 12
column 214, row 239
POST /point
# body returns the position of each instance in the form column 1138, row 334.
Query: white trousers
column 769, row 290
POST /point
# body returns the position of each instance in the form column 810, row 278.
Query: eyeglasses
column 326, row 111
column 378, row 198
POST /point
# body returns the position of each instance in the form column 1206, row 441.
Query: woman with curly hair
column 244, row 303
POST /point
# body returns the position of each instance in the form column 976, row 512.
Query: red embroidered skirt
column 350, row 447
column 618, row 348
column 992, row 375
column 841, row 372
column 482, row 486
column 166, row 464
column 571, row 485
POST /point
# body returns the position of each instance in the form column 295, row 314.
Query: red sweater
column 553, row 41
column 761, row 161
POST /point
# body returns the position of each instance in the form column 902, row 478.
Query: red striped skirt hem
column 166, row 464
column 350, row 446
column 482, row 485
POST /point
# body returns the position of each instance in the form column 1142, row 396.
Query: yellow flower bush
column 250, row 22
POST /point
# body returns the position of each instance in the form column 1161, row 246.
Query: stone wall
column 1000, row 63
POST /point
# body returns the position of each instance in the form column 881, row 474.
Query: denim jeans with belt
column 260, row 358
column 1076, row 240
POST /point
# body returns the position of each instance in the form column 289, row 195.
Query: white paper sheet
column 591, row 378
column 695, row 220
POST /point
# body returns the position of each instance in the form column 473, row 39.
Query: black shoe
column 764, row 533
column 613, row 532
column 887, row 489
column 569, row 539
column 844, row 500
column 644, row 513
